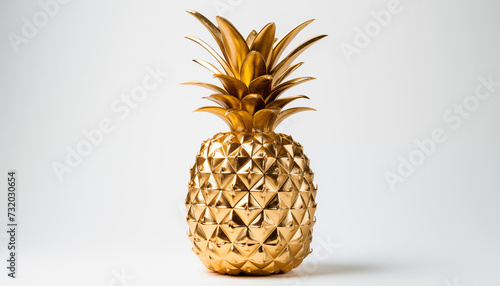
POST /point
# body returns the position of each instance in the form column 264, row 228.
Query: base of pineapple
column 250, row 268
column 251, row 203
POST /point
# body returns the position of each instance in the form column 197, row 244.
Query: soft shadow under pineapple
column 322, row 269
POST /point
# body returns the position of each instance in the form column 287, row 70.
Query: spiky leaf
column 261, row 85
column 216, row 34
column 253, row 66
column 263, row 43
column 235, row 45
column 284, row 86
column 289, row 112
column 286, row 73
column 233, row 85
column 252, row 103
column 265, row 119
column 220, row 112
column 207, row 65
column 222, row 62
column 241, row 120
column 251, row 38
column 288, row 60
column 282, row 102
column 224, row 100
column 206, row 85
column 281, row 46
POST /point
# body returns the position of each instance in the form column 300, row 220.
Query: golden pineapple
column 251, row 198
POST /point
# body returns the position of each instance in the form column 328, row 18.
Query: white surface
column 121, row 208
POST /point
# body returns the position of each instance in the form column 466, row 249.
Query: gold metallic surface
column 251, row 198
column 251, row 203
column 251, row 66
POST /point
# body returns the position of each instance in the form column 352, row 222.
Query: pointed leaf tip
column 234, row 44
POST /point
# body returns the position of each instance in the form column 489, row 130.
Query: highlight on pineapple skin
column 251, row 203
column 251, row 198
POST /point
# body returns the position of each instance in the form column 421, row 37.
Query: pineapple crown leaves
column 252, row 75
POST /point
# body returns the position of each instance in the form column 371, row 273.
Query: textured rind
column 251, row 203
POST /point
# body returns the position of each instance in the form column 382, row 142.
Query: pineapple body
column 251, row 203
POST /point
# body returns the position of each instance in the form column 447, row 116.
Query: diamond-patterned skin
column 251, row 203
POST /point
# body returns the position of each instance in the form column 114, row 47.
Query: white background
column 121, row 208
